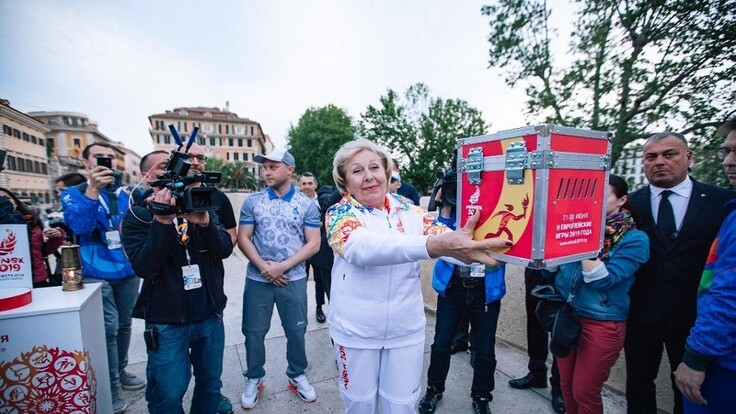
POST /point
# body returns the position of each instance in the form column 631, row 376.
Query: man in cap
column 279, row 230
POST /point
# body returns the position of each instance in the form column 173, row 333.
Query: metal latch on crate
column 473, row 165
column 516, row 157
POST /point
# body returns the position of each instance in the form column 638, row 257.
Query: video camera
column 175, row 177
column 447, row 181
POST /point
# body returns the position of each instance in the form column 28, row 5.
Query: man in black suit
column 681, row 217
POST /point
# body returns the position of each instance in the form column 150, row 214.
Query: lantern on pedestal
column 71, row 268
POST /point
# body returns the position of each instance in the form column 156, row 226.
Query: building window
column 44, row 168
column 219, row 128
column 16, row 133
column 250, row 143
column 33, row 139
column 235, row 156
column 41, row 142
column 167, row 139
column 77, row 143
column 51, row 143
column 66, row 120
column 200, row 140
column 11, row 162
column 240, row 142
column 37, row 167
column 230, row 142
column 7, row 130
column 212, row 141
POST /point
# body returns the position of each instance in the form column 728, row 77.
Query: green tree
column 236, row 176
column 706, row 166
column 633, row 67
column 420, row 130
column 317, row 136
column 214, row 164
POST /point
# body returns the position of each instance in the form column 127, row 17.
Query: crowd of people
column 663, row 281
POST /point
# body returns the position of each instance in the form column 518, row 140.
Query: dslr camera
column 176, row 178
column 117, row 175
column 447, row 182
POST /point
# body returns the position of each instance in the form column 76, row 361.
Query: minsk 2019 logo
column 472, row 205
column 7, row 245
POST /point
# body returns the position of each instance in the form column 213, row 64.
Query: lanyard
column 107, row 211
column 181, row 229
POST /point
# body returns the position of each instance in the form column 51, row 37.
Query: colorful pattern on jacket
column 713, row 337
column 341, row 222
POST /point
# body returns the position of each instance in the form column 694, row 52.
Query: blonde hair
column 348, row 151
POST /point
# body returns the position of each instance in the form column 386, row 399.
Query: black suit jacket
column 665, row 288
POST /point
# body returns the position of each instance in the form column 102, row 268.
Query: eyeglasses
column 723, row 152
column 200, row 158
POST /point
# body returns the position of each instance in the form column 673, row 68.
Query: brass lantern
column 71, row 268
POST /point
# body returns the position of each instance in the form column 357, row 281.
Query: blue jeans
column 291, row 303
column 181, row 348
column 118, row 299
column 451, row 309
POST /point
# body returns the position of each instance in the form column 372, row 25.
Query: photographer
column 472, row 292
column 94, row 211
column 179, row 257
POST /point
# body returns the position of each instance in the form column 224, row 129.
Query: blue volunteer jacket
column 713, row 337
column 495, row 282
column 89, row 220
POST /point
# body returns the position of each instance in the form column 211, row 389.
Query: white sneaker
column 253, row 388
column 302, row 388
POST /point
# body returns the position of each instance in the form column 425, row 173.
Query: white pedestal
column 53, row 355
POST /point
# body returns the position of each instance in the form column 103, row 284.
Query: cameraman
column 94, row 211
column 474, row 292
column 179, row 257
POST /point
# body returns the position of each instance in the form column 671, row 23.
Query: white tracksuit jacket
column 376, row 299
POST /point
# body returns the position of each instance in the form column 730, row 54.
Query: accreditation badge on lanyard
column 190, row 273
column 112, row 237
column 477, row 270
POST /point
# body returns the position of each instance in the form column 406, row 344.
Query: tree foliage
column 633, row 67
column 236, row 176
column 317, row 136
column 420, row 130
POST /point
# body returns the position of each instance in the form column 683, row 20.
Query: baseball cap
column 278, row 155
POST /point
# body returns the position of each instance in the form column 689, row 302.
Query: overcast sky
column 121, row 61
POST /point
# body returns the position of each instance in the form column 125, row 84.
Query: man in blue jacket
column 94, row 211
column 707, row 374
column 475, row 291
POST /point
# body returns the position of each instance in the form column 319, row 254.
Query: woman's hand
column 461, row 246
column 53, row 233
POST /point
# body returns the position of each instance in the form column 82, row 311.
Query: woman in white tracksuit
column 376, row 310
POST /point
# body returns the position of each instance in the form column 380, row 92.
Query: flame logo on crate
column 476, row 196
column 8, row 244
column 48, row 380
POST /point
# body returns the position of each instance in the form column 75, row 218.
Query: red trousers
column 584, row 371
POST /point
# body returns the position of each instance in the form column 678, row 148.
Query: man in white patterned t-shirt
column 279, row 230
